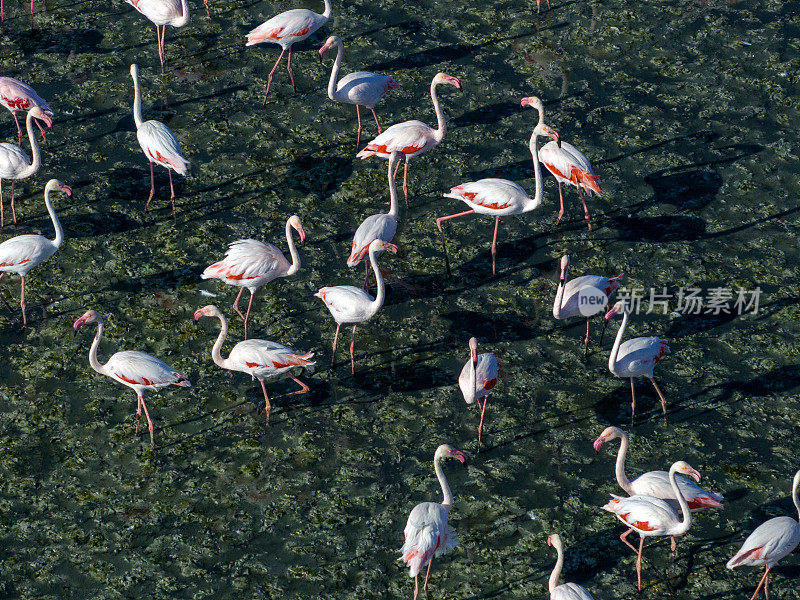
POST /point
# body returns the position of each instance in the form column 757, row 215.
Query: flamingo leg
column 2, row 216
column 158, row 41
column 171, row 191
column 236, row 303
column 19, row 130
column 494, row 244
column 624, row 538
column 152, row 186
column 764, row 580
column 41, row 129
column 303, row 387
column 352, row 351
column 663, row 400
column 267, row 405
column 358, row 132
column 633, row 401
column 416, row 586
column 585, row 209
column 672, row 545
column 164, row 42
column 380, row 130
column 427, row 574
column 208, row 12
column 639, row 563
column 138, row 411
column 289, row 68
column 13, row 211
column 405, row 178
column 22, row 303
column 396, row 169
column 271, row 73
column 247, row 314
column 480, row 425
column 586, row 339
column 2, row 12
column 31, row 6
column 561, row 198
column 149, row 424
column 335, row 339
column 444, row 245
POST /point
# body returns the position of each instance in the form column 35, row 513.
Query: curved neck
column 137, row 103
column 552, row 584
column 557, row 303
column 447, row 495
column 380, row 294
column 216, row 350
column 36, row 156
column 335, row 72
column 537, row 173
column 184, row 19
column 612, row 358
column 292, row 251
column 687, row 514
column 394, row 209
column 441, row 125
column 53, row 217
column 93, row 362
column 795, row 498
column 622, row 478
column 328, row 9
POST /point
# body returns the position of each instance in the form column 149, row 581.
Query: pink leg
column 267, row 405
column 416, row 586
column 561, row 199
column 373, row 114
column 152, row 187
column 19, row 130
column 41, row 129
column 358, row 132
column 158, row 41
column 31, row 6
column 585, row 209
column 764, row 580
column 352, row 351
column 149, row 424
column 480, row 425
column 271, row 73
column 639, row 564
column 2, row 216
column 236, row 303
column 405, row 179
column 428, row 574
column 247, row 314
column 624, row 538
column 289, row 68
column 439, row 225
column 396, row 169
column 208, row 12
column 335, row 339
column 22, row 300
column 586, row 340
column 672, row 545
column 2, row 12
column 633, row 400
column 494, row 244
column 13, row 211
column 663, row 400
column 138, row 411
column 171, row 191
column 303, row 387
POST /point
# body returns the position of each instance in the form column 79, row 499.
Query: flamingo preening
column 136, row 370
column 16, row 95
column 565, row 591
column 286, row 29
column 361, row 88
column 251, row 264
column 653, row 517
column 478, row 377
column 22, row 253
column 770, row 542
column 427, row 532
column 498, row 197
column 261, row 359
column 162, row 13
column 412, row 138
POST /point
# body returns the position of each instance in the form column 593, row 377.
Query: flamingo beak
column 549, row 541
column 611, row 313
column 79, row 323
column 459, row 456
column 323, row 50
column 66, row 189
column 47, row 120
column 302, row 233
column 454, row 81
column 527, row 102
column 695, row 475
column 391, row 248
column 197, row 314
column 598, row 443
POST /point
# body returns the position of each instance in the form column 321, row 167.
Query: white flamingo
column 16, row 95
column 162, row 13
column 565, row 591
column 478, row 377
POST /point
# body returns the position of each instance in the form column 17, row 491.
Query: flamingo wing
column 247, row 261
column 646, row 514
column 16, row 95
column 427, row 534
column 570, row 591
column 287, row 27
column 140, row 369
column 769, row 542
column 363, row 88
column 640, row 355
column 20, row 254
column 571, row 165
column 263, row 355
column 375, row 227
column 490, row 196
column 12, row 160
column 410, row 138
column 345, row 301
column 159, row 12
column 161, row 146
column 657, row 484
column 486, row 371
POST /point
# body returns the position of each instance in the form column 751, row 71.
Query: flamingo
column 158, row 143
column 251, row 264
column 653, row 517
column 636, row 357
column 412, row 138
column 136, row 370
column 361, row 88
column 260, row 359
column 349, row 304
column 376, row 227
column 16, row 96
column 22, row 253
column 498, row 197
column 770, row 542
column 162, row 13
column 15, row 164
column 427, row 532
column 478, row 378
column 568, row 165
column 285, row 29
column 572, row 297
column 565, row 591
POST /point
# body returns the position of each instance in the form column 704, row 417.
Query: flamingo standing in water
column 286, row 29
column 572, row 296
column 565, row 591
column 251, row 264
column 427, row 532
column 16, row 96
column 349, row 304
column 478, row 378
column 15, row 164
column 22, row 253
column 568, row 165
column 653, row 517
column 498, row 197
column 158, row 143
column 636, row 357
column 260, row 359
column 136, row 370
column 361, row 88
column 163, row 13
column 770, row 542
column 412, row 138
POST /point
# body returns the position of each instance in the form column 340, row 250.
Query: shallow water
column 689, row 114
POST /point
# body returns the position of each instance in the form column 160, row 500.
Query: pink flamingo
column 285, row 29
column 349, row 304
column 162, row 13
column 498, row 197
column 478, row 378
column 158, row 143
column 251, row 264
column 260, row 359
column 636, row 357
column 361, row 88
column 15, row 164
column 427, row 532
column 653, row 517
column 412, row 138
column 572, row 296
column 568, row 165
column 770, row 542
column 16, row 96
column 565, row 591
column 22, row 253
column 136, row 370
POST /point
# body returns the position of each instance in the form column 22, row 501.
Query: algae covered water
column 689, row 114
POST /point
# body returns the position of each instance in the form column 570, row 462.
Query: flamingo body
column 22, row 253
column 639, row 356
column 486, row 371
column 656, row 484
column 374, row 227
column 16, row 95
column 249, row 264
column 572, row 289
column 363, row 88
column 492, row 196
column 263, row 359
column 570, row 591
column 427, row 535
column 161, row 146
column 13, row 161
column 347, row 303
column 160, row 12
column 287, row 28
column 412, row 138
column 142, row 372
column 647, row 515
column 569, row 165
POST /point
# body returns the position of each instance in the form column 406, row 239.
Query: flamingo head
column 534, row 102
column 554, row 540
column 547, row 131
column 90, row 316
column 609, row 433
column 297, row 224
column 380, row 246
column 444, row 78
column 684, row 468
column 618, row 307
column 473, row 348
column 38, row 113
column 207, row 311
column 329, row 43
column 55, row 184
column 447, row 451
column 134, row 70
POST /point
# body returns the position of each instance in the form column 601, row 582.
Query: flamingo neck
column 447, row 495
column 137, row 103
column 36, row 156
column 795, row 498
column 557, row 303
column 328, row 10
column 441, row 124
column 295, row 267
column 93, row 362
column 552, row 583
column 380, row 294
column 332, row 93
column 394, row 209
column 216, row 350
column 612, row 358
column 687, row 514
column 59, row 239
column 622, row 478
column 184, row 18
column 537, row 173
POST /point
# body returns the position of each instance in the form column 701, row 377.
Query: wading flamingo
column 498, row 197
column 16, row 96
column 412, row 138
column 15, row 164
column 653, row 517
column 158, row 143
column 162, row 13
column 286, row 29
column 478, row 377
column 568, row 165
column 22, row 253
column 376, row 227
column 573, row 297
column 636, row 357
column 565, row 591
column 349, row 304
column 251, row 264
column 427, row 533
column 770, row 542
column 260, row 359
column 136, row 370
column 361, row 88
